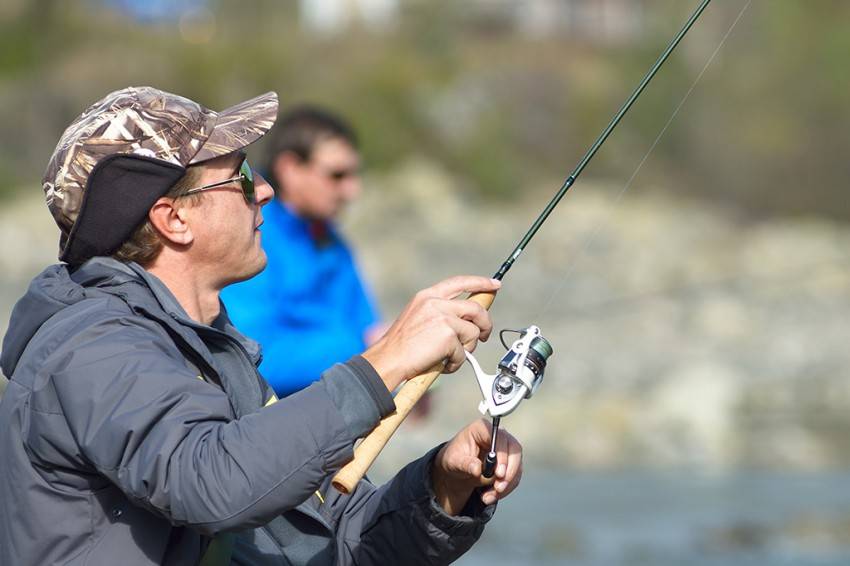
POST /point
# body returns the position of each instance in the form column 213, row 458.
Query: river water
column 670, row 519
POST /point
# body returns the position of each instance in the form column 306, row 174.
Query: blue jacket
column 308, row 308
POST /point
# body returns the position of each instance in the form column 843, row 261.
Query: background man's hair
column 301, row 128
column 145, row 243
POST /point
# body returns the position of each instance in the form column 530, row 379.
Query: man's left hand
column 456, row 471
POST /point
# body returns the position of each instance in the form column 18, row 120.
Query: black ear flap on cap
column 119, row 193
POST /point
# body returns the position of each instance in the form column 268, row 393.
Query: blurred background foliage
column 502, row 105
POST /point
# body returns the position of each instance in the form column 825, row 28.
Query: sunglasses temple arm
column 214, row 185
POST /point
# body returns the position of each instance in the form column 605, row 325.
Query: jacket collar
column 129, row 279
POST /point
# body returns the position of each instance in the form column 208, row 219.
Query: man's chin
column 261, row 263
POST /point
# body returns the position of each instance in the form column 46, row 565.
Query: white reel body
column 520, row 373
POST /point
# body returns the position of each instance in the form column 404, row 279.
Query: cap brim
column 239, row 126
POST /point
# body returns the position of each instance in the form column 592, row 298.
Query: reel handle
column 367, row 451
column 489, row 469
column 489, row 465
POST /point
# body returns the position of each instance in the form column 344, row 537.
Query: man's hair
column 301, row 128
column 144, row 245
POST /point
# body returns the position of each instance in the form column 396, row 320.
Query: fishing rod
column 366, row 452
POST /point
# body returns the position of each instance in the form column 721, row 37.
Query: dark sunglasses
column 341, row 174
column 246, row 179
column 337, row 175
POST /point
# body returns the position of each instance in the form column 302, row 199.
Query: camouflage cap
column 149, row 123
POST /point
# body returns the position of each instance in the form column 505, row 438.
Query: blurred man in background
column 135, row 428
column 310, row 308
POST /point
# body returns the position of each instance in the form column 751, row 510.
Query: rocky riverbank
column 683, row 335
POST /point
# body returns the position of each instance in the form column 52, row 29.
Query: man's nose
column 351, row 187
column 263, row 190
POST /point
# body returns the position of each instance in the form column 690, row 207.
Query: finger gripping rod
column 365, row 453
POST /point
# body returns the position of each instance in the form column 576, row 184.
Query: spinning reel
column 519, row 374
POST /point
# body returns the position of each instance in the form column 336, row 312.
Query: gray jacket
column 130, row 434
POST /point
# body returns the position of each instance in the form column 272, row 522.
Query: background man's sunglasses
column 246, row 179
column 338, row 175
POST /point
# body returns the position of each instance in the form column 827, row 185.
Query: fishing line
column 595, row 231
column 366, row 452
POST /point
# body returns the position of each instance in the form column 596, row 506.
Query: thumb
column 473, row 467
column 481, row 432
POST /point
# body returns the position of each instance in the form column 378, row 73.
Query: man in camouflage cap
column 127, row 150
column 135, row 428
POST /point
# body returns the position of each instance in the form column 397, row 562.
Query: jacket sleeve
column 133, row 412
column 402, row 523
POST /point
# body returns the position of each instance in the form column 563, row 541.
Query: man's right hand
column 433, row 328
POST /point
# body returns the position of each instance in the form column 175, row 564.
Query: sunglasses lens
column 342, row 174
column 248, row 182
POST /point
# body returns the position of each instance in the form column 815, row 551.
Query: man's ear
column 170, row 220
